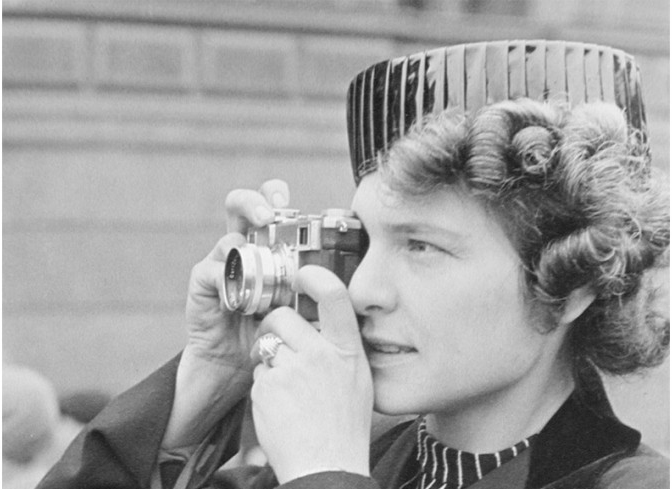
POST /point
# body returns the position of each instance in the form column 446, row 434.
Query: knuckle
column 221, row 248
column 321, row 351
column 272, row 319
column 274, row 185
column 233, row 198
column 322, row 280
column 335, row 296
column 197, row 270
column 229, row 241
column 278, row 314
column 337, row 292
column 241, row 201
column 225, row 241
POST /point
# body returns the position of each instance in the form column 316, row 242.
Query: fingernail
column 263, row 213
column 278, row 200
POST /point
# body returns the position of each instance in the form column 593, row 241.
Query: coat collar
column 584, row 430
column 393, row 455
column 581, row 432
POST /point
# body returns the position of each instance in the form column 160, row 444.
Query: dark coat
column 583, row 446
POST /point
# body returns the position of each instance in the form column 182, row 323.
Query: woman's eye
column 422, row 246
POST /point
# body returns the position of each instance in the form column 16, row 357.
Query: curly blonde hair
column 575, row 191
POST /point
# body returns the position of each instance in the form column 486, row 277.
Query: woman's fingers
column 276, row 192
column 338, row 322
column 281, row 355
column 245, row 208
column 224, row 245
column 292, row 329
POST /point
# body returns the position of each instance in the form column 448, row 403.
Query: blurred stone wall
column 126, row 123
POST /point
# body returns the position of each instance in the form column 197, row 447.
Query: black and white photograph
column 335, row 244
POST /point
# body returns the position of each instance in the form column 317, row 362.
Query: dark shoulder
column 244, row 477
column 382, row 443
column 644, row 468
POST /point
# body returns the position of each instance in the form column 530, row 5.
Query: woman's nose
column 372, row 287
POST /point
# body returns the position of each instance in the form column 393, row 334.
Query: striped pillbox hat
column 387, row 98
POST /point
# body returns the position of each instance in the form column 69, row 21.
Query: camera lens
column 257, row 278
column 233, row 280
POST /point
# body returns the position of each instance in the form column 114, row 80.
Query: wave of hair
column 575, row 191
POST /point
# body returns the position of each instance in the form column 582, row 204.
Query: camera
column 258, row 275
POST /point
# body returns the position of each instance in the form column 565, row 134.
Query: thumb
column 338, row 322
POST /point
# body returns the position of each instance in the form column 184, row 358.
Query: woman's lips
column 388, row 348
column 383, row 353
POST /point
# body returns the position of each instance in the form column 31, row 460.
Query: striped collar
column 442, row 467
column 580, row 436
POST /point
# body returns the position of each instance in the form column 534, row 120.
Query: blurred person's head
column 30, row 413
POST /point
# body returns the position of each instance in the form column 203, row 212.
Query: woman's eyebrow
column 422, row 228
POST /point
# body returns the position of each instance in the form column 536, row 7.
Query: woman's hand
column 216, row 334
column 215, row 370
column 312, row 408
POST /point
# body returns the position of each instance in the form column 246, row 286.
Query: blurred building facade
column 126, row 123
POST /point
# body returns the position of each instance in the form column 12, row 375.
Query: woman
column 509, row 244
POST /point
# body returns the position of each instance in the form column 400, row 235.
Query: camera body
column 258, row 275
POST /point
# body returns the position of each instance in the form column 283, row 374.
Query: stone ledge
column 363, row 19
column 143, row 56
column 168, row 123
column 38, row 52
column 18, row 104
column 249, row 61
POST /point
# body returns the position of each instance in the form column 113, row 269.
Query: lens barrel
column 258, row 278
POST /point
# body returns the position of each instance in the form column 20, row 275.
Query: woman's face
column 444, row 319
